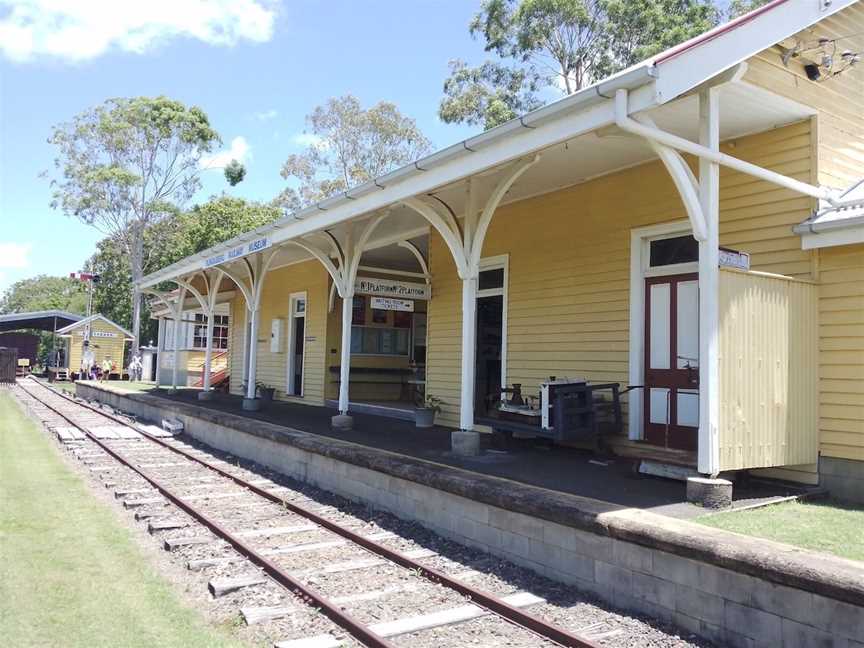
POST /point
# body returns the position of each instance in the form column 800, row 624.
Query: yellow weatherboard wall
column 841, row 351
column 569, row 263
column 311, row 277
column 839, row 101
column 838, row 148
column 103, row 347
column 236, row 344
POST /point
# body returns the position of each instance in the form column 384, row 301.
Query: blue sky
column 256, row 67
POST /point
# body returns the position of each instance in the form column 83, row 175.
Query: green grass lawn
column 821, row 526
column 70, row 573
column 65, row 386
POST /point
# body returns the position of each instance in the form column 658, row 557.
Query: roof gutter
column 630, row 79
column 815, row 227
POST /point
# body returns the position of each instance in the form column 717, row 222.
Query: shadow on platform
column 573, row 471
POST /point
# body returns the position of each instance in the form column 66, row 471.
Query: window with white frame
column 672, row 250
column 220, row 332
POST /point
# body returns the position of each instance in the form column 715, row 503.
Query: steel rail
column 305, row 592
column 477, row 596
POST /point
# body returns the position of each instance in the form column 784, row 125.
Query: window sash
column 380, row 340
column 220, row 332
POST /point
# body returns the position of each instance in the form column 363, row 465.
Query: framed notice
column 389, row 303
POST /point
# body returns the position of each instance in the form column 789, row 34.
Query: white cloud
column 77, row 30
column 239, row 151
column 15, row 255
column 307, row 139
column 266, row 115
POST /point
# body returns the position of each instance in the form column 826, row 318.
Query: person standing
column 106, row 368
column 135, row 367
column 88, row 360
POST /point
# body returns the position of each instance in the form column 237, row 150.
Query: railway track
column 321, row 576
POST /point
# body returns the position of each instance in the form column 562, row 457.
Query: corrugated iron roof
column 828, row 217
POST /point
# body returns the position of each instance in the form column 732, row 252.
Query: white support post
column 709, row 287
column 469, row 341
column 255, row 283
column 466, row 248
column 208, row 352
column 160, row 349
column 178, row 317
column 253, row 351
column 344, row 277
column 345, row 359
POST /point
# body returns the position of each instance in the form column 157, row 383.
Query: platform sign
column 238, row 252
column 734, row 259
column 389, row 303
column 97, row 334
column 391, row 288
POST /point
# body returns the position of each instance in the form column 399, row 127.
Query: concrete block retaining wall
column 729, row 589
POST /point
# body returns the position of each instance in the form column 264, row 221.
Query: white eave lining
column 557, row 122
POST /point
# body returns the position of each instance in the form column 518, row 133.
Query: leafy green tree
column 111, row 297
column 220, row 218
column 639, row 29
column 560, row 46
column 113, row 265
column 234, row 172
column 351, row 145
column 123, row 165
column 740, row 7
column 169, row 240
column 487, row 95
column 44, row 292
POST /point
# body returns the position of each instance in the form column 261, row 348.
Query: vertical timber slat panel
column 768, row 366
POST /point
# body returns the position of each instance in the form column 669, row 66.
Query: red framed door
column 671, row 412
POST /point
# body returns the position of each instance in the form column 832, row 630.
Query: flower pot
column 251, row 404
column 266, row 393
column 424, row 417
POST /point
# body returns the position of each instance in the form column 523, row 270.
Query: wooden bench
column 575, row 417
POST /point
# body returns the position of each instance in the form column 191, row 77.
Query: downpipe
column 630, row 125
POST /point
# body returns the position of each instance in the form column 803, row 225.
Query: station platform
column 610, row 479
column 589, row 524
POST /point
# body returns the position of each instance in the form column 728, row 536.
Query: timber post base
column 342, row 422
column 710, row 493
column 251, row 404
column 465, row 443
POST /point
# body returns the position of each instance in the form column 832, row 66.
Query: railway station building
column 690, row 230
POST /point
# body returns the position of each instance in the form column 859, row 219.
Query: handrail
column 220, row 354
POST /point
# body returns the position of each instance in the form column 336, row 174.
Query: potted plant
column 265, row 392
column 424, row 414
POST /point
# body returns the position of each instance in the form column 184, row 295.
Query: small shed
column 107, row 339
column 27, row 345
